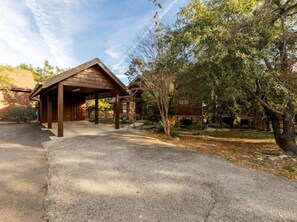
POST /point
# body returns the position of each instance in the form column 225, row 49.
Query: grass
column 239, row 133
column 248, row 148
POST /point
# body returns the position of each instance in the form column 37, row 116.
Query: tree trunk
column 285, row 139
column 288, row 135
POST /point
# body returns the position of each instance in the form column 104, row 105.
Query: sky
column 71, row 32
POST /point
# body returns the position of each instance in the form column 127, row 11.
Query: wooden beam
column 60, row 109
column 96, row 109
column 117, row 111
column 49, row 112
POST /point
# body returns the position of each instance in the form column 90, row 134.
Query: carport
column 62, row 97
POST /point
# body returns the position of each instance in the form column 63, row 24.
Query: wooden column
column 40, row 109
column 49, row 112
column 96, row 109
column 117, row 111
column 60, row 109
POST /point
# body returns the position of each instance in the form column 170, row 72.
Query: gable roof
column 77, row 69
column 71, row 72
column 138, row 77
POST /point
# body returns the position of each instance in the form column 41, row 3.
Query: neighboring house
column 22, row 83
column 257, row 119
column 184, row 106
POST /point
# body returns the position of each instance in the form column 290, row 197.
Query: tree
column 251, row 46
column 152, row 60
column 103, row 105
column 42, row 73
column 5, row 81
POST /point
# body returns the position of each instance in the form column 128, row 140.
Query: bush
column 160, row 127
column 20, row 114
column 199, row 127
column 147, row 122
column 197, row 132
column 174, row 133
column 124, row 121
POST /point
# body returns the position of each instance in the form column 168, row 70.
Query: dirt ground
column 248, row 148
column 23, row 173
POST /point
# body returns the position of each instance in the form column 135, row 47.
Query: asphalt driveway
column 121, row 176
column 23, row 173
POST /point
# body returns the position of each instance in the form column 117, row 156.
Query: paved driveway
column 23, row 172
column 119, row 176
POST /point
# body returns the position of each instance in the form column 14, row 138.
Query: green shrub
column 147, row 122
column 199, row 127
column 124, row 121
column 159, row 127
column 197, row 132
column 174, row 133
column 20, row 114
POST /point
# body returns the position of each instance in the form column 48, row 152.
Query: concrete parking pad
column 120, row 176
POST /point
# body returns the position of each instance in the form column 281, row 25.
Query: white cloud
column 57, row 26
column 113, row 53
column 18, row 40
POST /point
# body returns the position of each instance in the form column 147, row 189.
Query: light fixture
column 75, row 90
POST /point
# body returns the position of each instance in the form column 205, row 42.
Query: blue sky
column 71, row 32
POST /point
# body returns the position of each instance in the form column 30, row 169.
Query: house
column 132, row 107
column 22, row 83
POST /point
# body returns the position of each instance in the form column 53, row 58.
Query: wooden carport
column 62, row 97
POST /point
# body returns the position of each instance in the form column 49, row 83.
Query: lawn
column 248, row 148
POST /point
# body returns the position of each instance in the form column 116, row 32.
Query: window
column 124, row 107
column 183, row 102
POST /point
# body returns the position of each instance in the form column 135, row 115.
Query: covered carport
column 62, row 97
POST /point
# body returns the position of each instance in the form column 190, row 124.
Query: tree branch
column 263, row 103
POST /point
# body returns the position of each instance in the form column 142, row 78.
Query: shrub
column 174, row 133
column 197, row 132
column 159, row 127
column 20, row 114
column 147, row 122
column 199, row 127
column 124, row 121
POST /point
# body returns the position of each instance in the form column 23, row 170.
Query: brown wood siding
column 91, row 78
column 74, row 108
column 187, row 109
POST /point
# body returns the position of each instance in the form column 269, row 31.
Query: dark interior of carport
column 62, row 98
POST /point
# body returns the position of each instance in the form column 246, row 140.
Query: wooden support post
column 60, row 109
column 41, row 104
column 117, row 111
column 96, row 109
column 49, row 112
